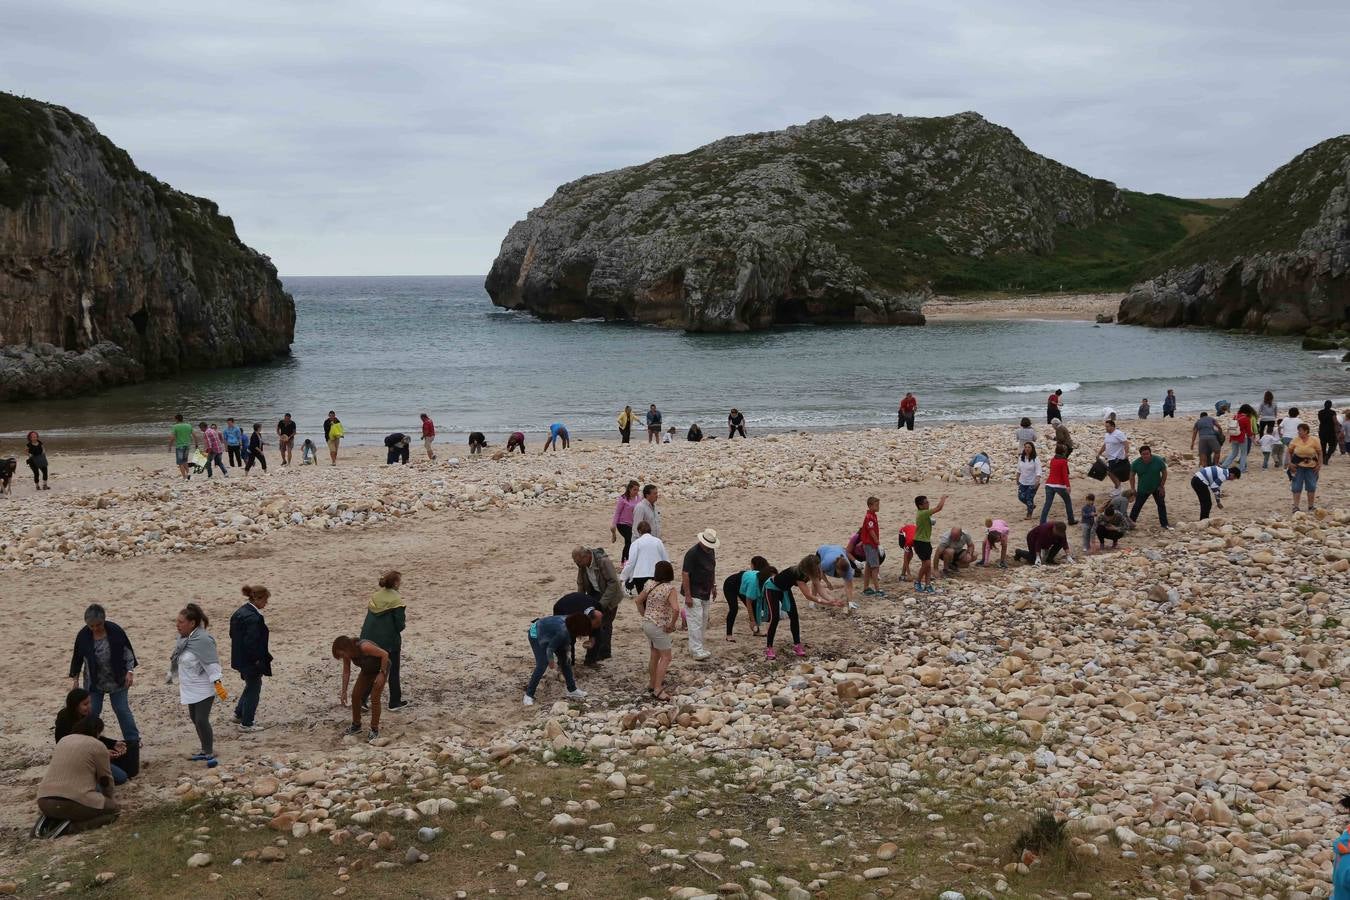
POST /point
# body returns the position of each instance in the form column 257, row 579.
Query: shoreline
column 1067, row 307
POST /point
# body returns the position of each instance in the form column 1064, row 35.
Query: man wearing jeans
column 105, row 655
column 1148, row 478
column 697, row 577
column 249, row 654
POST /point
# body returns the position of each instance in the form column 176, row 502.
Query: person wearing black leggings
column 746, row 588
column 37, row 461
column 778, row 594
column 255, row 449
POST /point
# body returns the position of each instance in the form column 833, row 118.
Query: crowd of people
column 78, row 792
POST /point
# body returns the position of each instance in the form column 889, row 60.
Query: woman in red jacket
column 1057, row 484
column 1240, row 437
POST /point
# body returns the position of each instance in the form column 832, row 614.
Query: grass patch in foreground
column 688, row 808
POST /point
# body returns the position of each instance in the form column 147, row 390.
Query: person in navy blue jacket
column 249, row 655
column 105, row 656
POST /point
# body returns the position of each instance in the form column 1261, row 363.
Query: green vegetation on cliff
column 30, row 128
column 821, row 221
column 24, row 155
column 1273, row 217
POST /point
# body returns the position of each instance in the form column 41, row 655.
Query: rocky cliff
column 108, row 275
column 1279, row 262
column 853, row 221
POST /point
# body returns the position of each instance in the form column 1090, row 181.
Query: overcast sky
column 406, row 137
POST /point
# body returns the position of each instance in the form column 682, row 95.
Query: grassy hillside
column 1106, row 255
column 1273, row 216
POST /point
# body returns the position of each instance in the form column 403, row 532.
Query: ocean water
column 381, row 350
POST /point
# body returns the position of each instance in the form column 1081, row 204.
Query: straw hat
column 708, row 538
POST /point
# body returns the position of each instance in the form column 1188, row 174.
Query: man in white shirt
column 1116, row 448
column 646, row 511
column 646, row 552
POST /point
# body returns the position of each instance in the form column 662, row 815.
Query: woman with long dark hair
column 778, row 592
column 622, row 522
column 746, row 588
column 79, row 707
column 37, row 461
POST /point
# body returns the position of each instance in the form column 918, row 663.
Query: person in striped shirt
column 1208, row 486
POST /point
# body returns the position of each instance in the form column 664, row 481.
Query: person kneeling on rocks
column 955, row 550
column 1044, row 542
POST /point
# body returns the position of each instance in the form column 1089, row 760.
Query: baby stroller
column 196, row 463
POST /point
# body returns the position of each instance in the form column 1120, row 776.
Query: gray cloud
column 406, row 137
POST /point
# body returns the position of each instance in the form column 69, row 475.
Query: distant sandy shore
column 1085, row 307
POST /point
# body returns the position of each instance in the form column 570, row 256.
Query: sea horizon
column 380, row 349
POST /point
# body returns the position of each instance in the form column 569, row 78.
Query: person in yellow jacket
column 626, row 419
column 332, row 434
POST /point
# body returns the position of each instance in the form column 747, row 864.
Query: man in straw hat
column 698, row 575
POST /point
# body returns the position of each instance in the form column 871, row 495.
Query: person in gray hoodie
column 597, row 578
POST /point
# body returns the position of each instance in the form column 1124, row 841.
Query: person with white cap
column 698, row 579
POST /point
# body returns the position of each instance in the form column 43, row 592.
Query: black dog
column 7, row 470
column 477, row 441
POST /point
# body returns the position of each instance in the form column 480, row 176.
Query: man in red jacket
column 908, row 406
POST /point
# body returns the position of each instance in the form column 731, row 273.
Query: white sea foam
column 1065, row 386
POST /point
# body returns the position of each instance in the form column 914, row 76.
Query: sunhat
column 708, row 538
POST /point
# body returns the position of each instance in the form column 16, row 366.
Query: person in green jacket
column 385, row 620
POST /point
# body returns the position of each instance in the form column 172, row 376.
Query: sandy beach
column 483, row 544
column 1084, row 307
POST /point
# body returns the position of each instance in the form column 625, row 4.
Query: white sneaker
column 700, row 657
column 251, row 729
column 528, row 701
column 578, row 694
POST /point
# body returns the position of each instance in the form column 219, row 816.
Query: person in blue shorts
column 557, row 435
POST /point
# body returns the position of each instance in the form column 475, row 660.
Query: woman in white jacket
column 197, row 666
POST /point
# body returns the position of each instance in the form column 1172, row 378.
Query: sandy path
column 472, row 582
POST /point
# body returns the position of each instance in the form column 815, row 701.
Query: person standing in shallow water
column 1053, row 407
column 1170, row 405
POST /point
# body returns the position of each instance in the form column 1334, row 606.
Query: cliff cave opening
column 139, row 320
column 70, row 334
